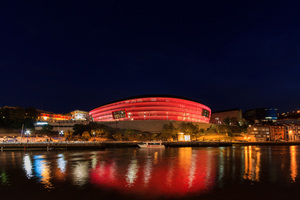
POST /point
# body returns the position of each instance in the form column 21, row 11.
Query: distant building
column 278, row 133
column 259, row 133
column 61, row 122
column 259, row 115
column 80, row 115
column 53, row 117
column 232, row 114
column 293, row 133
column 288, row 121
column 60, row 125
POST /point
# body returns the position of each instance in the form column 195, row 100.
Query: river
column 237, row 172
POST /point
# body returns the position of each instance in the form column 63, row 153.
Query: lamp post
column 61, row 133
column 94, row 136
column 27, row 133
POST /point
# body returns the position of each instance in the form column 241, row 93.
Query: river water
column 238, row 172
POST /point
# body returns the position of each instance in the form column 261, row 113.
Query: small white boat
column 152, row 144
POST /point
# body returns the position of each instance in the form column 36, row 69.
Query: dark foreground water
column 241, row 172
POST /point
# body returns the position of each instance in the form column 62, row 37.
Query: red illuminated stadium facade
column 152, row 108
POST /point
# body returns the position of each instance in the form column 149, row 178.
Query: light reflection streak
column 170, row 173
column 42, row 169
column 192, row 170
column 252, row 164
column 221, row 166
column 132, row 172
column 147, row 171
column 4, row 178
column 27, row 166
column 80, row 173
column 94, row 160
column 257, row 167
column 293, row 166
column 62, row 163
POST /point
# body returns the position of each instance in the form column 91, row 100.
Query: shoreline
column 48, row 146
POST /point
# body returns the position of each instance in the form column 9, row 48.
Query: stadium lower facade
column 152, row 108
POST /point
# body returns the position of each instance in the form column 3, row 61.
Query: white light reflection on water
column 192, row 171
column 132, row 172
column 221, row 166
column 80, row 173
column 27, row 166
column 147, row 171
column 62, row 163
column 94, row 160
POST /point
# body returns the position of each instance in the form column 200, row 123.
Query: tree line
column 15, row 117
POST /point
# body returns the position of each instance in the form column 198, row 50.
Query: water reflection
column 177, row 175
column 80, row 173
column 60, row 171
column 4, row 178
column 27, row 165
column 252, row 163
column 293, row 166
column 132, row 172
column 42, row 170
column 170, row 172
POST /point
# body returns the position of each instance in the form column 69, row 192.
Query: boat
column 151, row 144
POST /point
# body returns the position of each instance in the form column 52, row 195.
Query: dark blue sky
column 65, row 55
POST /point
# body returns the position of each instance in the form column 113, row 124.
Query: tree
column 101, row 132
column 130, row 135
column 190, row 129
column 168, row 132
column 69, row 135
column 117, row 135
column 85, row 136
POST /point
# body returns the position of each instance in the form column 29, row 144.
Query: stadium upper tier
column 153, row 108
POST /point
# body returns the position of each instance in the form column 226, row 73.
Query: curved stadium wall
column 152, row 108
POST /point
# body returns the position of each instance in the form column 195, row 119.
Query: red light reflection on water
column 189, row 173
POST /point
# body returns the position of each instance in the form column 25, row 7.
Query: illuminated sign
column 205, row 113
column 41, row 123
column 119, row 114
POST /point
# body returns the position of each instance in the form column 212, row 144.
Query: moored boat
column 152, row 144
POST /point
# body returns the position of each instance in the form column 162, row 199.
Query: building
column 259, row 133
column 150, row 113
column 153, row 108
column 47, row 117
column 61, row 122
column 60, row 125
column 288, row 121
column 233, row 115
column 259, row 115
column 80, row 115
column 293, row 133
column 278, row 133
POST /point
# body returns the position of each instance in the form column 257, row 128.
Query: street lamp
column 27, row 133
column 94, row 136
column 61, row 133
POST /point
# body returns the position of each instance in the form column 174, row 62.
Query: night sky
column 65, row 55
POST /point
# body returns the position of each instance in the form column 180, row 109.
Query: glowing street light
column 27, row 133
column 61, row 133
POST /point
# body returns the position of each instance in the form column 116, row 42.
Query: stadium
column 140, row 112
